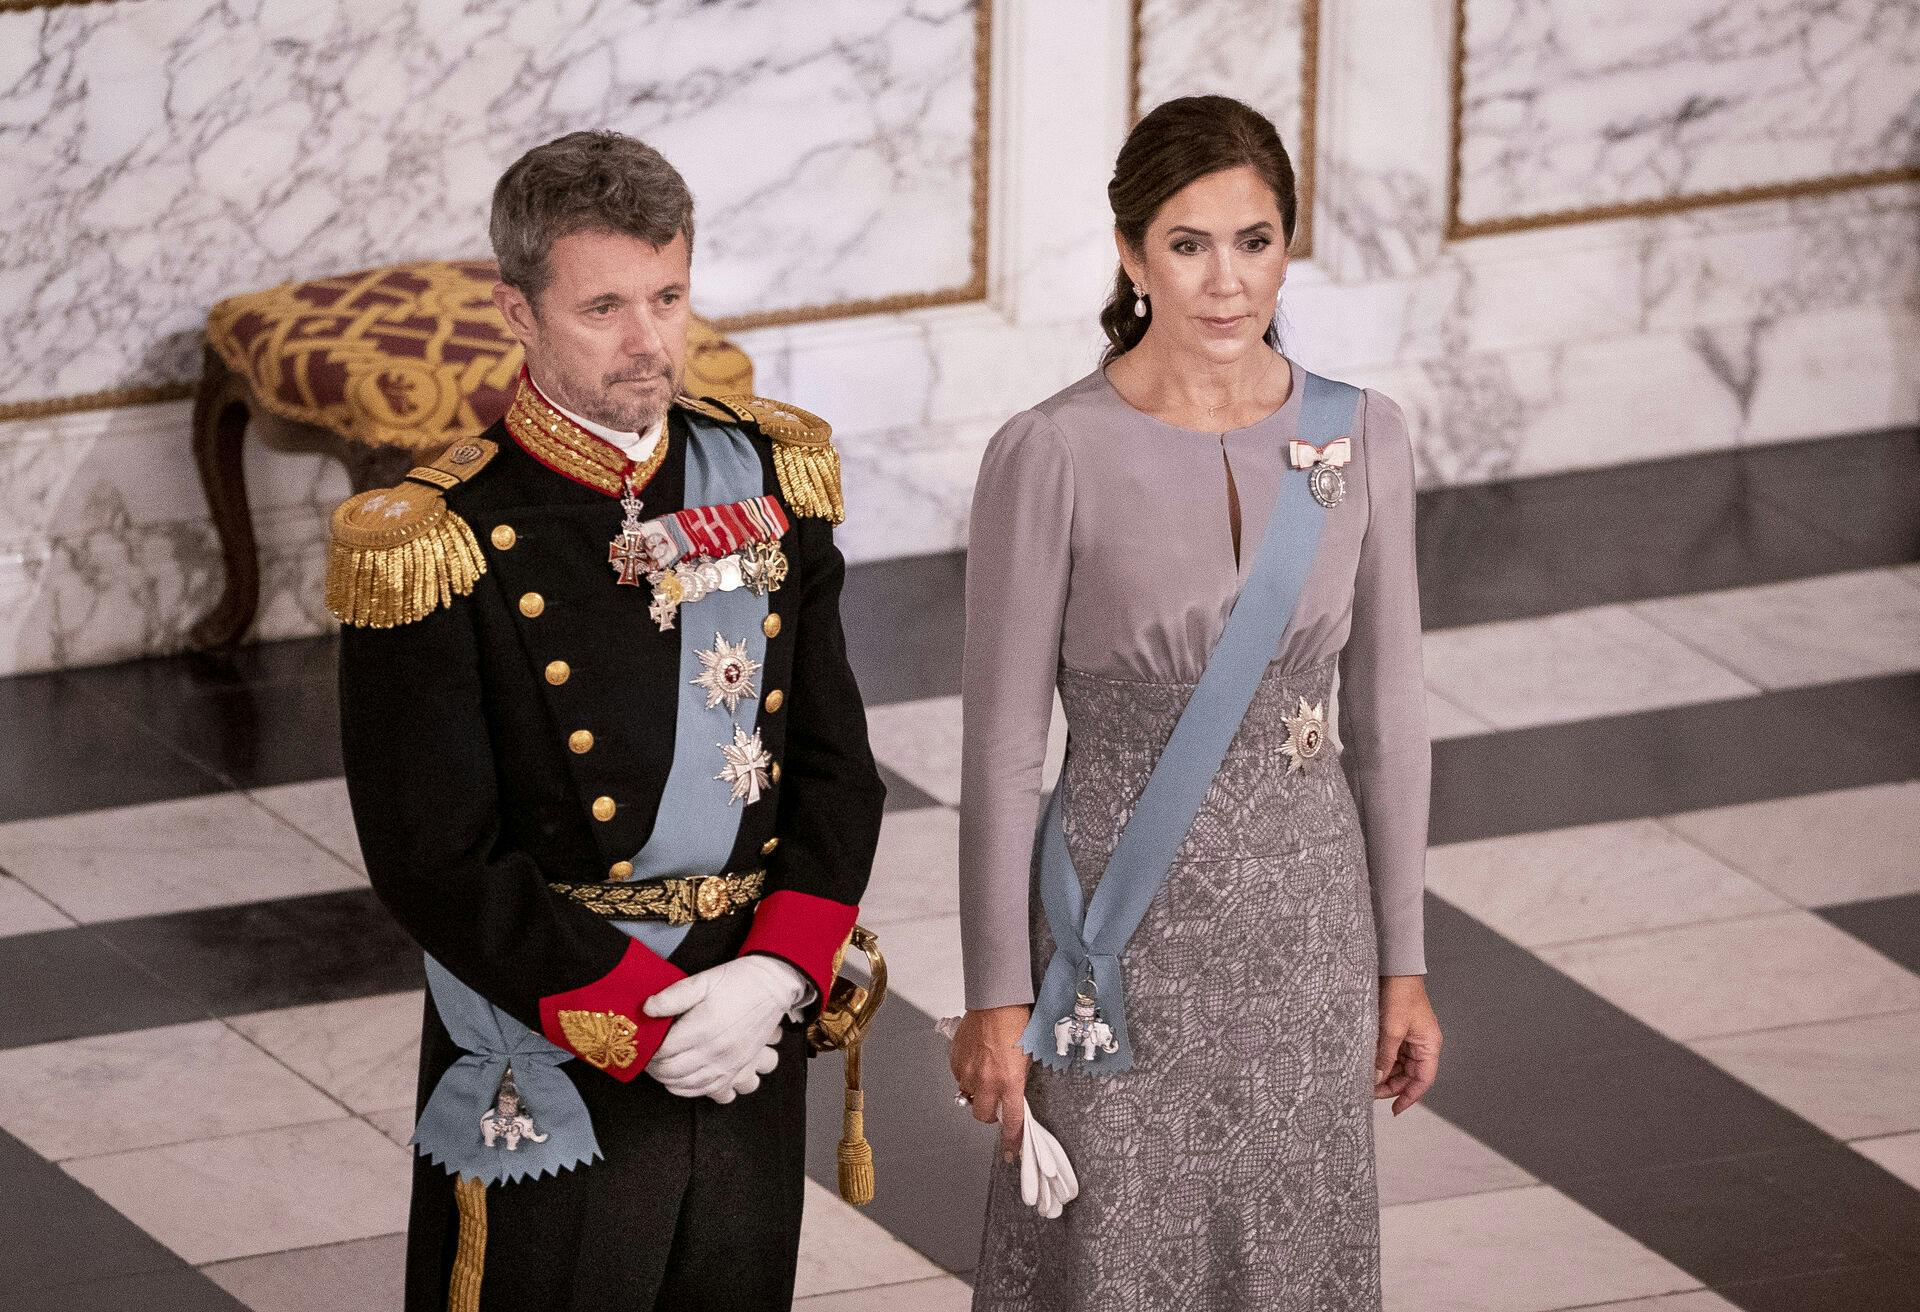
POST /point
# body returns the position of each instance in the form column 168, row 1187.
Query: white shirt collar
column 637, row 446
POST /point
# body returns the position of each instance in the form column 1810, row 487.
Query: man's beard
column 607, row 402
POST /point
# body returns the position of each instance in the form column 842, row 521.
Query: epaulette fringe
column 400, row 553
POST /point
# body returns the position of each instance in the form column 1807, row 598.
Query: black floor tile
column 905, row 621
column 1535, row 546
column 1865, row 490
column 1889, row 1286
column 178, row 1288
column 931, row 1158
column 69, row 983
column 1889, row 924
column 321, row 948
column 57, row 1234
column 62, row 750
column 1777, row 744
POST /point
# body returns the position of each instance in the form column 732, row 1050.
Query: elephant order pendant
column 1084, row 1034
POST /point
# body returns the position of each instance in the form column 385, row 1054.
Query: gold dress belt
column 675, row 900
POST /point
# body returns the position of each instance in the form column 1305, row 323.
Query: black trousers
column 694, row 1205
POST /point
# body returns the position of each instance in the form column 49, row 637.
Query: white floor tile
column 1589, row 881
column 364, row 1052
column 1801, row 632
column 259, row 1193
column 1445, row 720
column 1820, row 849
column 1421, row 1156
column 1573, row 666
column 86, row 1097
column 923, row 964
column 1851, row 1078
column 916, row 872
column 319, row 810
column 1733, row 976
column 1899, row 1153
column 940, row 1294
column 167, row 856
column 365, row 1274
column 1518, row 1250
column 841, row 1248
column 920, row 742
column 23, row 911
column 394, row 1122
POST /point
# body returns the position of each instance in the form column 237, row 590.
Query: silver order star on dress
column 747, row 765
column 727, row 673
column 1306, row 735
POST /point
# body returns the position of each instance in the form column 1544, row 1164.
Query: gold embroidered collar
column 566, row 448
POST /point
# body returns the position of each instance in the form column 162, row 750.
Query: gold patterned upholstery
column 410, row 355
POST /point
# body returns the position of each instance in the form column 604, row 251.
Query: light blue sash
column 693, row 835
column 1090, row 937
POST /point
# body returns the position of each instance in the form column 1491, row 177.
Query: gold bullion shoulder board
column 399, row 553
column 803, row 454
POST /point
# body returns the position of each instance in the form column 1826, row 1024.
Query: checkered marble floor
column 1674, row 935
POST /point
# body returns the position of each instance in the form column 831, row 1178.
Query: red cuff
column 802, row 930
column 602, row 1024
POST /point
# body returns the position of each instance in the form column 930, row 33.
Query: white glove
column 1047, row 1181
column 729, row 1021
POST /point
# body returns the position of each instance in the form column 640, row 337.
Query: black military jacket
column 520, row 735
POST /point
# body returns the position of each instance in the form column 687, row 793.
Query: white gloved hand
column 728, row 1023
column 1047, row 1181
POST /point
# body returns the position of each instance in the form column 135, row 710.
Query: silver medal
column 1327, row 484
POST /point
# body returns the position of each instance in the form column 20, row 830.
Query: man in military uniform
column 610, row 769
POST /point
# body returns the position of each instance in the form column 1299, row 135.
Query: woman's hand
column 991, row 1069
column 1408, row 1058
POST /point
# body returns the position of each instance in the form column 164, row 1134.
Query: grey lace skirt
column 1232, row 1167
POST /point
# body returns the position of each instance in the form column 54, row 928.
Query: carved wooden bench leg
column 221, row 409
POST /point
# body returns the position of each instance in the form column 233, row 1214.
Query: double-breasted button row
column 532, row 604
column 620, row 870
column 774, row 699
column 558, row 672
column 580, row 741
column 770, row 625
column 504, row 537
column 604, row 808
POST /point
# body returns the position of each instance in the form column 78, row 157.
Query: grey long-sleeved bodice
column 1101, row 541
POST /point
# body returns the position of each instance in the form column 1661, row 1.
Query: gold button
column 531, row 604
column 766, row 848
column 504, row 537
column 620, row 870
column 771, row 626
column 603, row 808
column 558, row 672
column 775, row 774
column 775, row 700
column 581, row 740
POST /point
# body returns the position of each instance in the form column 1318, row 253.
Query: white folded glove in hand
column 729, row 1021
column 1047, row 1181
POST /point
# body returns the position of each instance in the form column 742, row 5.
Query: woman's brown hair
column 1181, row 142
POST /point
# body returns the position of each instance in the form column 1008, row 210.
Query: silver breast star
column 726, row 672
column 747, row 765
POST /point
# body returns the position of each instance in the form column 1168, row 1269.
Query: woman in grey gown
column 1275, row 985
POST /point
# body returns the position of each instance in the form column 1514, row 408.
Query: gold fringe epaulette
column 399, row 553
column 803, row 454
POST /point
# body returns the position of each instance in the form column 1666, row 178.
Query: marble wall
column 1572, row 340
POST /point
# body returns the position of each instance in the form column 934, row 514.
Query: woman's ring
column 961, row 1099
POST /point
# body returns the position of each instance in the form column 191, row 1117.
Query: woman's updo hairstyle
column 1179, row 143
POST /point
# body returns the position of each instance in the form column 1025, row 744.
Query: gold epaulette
column 399, row 553
column 803, row 454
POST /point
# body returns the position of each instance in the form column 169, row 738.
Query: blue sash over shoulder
column 1084, row 972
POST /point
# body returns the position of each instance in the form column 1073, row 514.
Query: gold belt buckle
column 711, row 899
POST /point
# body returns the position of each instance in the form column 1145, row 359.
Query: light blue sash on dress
column 1094, row 935
column 693, row 834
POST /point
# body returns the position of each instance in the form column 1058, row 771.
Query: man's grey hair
column 583, row 182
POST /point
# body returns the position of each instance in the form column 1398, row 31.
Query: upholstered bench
column 381, row 369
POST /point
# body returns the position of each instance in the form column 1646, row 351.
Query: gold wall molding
column 1458, row 229
column 973, row 289
column 1306, row 157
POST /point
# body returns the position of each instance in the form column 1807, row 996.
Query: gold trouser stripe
column 470, row 1259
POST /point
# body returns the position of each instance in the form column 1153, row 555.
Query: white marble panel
column 362, row 1273
column 843, row 1249
column 364, row 1051
column 22, row 911
column 1422, row 1156
column 828, row 146
column 1248, row 49
column 1898, row 1153
column 939, row 1294
column 1851, row 1078
column 916, row 872
column 1569, row 106
column 1821, row 849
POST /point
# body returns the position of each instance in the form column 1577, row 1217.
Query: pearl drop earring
column 1139, row 302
